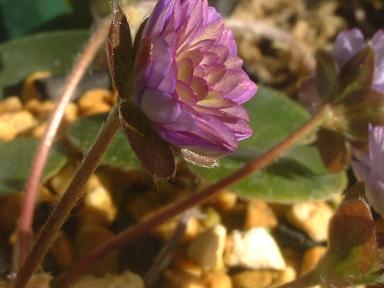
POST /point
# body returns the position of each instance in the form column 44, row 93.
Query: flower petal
column 347, row 45
column 159, row 107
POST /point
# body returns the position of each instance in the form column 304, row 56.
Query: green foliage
column 297, row 176
column 53, row 51
column 16, row 157
column 19, row 18
column 119, row 153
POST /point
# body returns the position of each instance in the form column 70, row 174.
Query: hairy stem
column 28, row 202
column 147, row 225
column 68, row 200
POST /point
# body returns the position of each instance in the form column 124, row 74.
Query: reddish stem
column 41, row 156
column 69, row 199
column 144, row 227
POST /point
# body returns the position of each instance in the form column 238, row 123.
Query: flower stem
column 69, row 199
column 147, row 225
column 28, row 202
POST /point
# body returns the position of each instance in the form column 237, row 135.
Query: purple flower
column 351, row 42
column 188, row 79
column 370, row 169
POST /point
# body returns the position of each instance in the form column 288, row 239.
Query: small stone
column 254, row 249
column 208, row 247
column 10, row 104
column 7, row 133
column 212, row 217
column 181, row 279
column 311, row 257
column 29, row 89
column 38, row 280
column 39, row 130
column 254, row 279
column 225, row 200
column 41, row 109
column 287, row 275
column 61, row 180
column 98, row 198
column 123, row 280
column 180, row 261
column 259, row 214
column 71, row 112
column 15, row 123
column 95, row 101
column 312, row 218
column 217, row 279
column 292, row 257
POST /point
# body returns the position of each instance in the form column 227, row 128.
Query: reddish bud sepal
column 348, row 80
column 357, row 73
column 353, row 255
column 334, row 150
column 153, row 152
column 120, row 52
column 327, row 74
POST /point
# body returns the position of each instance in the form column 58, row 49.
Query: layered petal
column 192, row 88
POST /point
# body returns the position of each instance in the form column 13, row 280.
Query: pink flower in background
column 188, row 79
column 370, row 169
column 351, row 42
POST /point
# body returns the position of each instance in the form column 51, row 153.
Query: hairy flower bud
column 370, row 169
column 188, row 79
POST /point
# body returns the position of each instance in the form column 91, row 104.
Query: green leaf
column 16, row 158
column 19, row 18
column 53, row 51
column 299, row 175
column 119, row 154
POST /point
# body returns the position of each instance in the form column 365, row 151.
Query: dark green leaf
column 16, row 158
column 119, row 154
column 54, row 51
column 19, row 18
column 298, row 175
